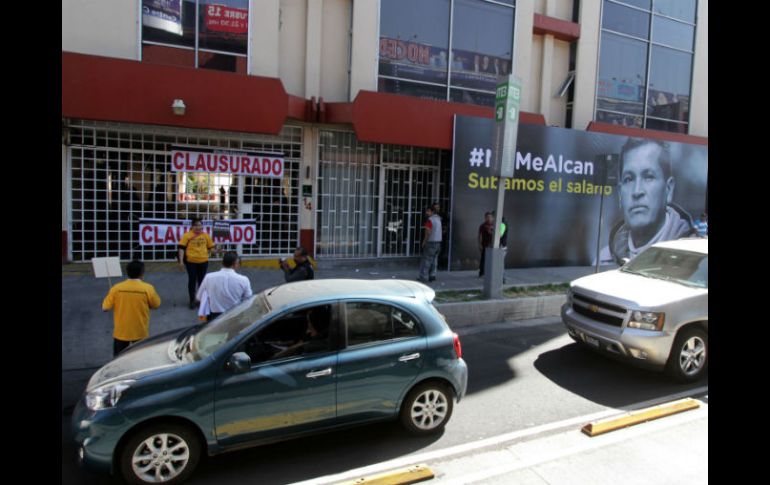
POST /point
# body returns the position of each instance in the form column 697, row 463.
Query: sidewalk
column 87, row 331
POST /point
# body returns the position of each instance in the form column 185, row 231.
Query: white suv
column 653, row 311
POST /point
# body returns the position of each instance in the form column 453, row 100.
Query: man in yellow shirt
column 132, row 300
column 194, row 256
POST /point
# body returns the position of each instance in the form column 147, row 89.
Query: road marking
column 641, row 416
column 489, row 442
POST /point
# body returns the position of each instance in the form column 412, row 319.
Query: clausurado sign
column 167, row 232
column 187, row 159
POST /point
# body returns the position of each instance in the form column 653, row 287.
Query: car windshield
column 228, row 326
column 684, row 267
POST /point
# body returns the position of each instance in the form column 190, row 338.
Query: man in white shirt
column 225, row 288
column 431, row 245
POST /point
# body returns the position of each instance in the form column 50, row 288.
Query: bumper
column 640, row 347
column 461, row 378
column 97, row 434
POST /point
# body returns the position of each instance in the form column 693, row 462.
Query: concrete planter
column 465, row 314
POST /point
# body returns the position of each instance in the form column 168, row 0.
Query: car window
column 217, row 333
column 684, row 267
column 373, row 322
column 302, row 332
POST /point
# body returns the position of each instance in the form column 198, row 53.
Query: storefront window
column 482, row 43
column 122, row 175
column 643, row 82
column 169, row 33
column 416, row 46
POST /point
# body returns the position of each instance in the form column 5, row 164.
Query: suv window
column 373, row 322
column 684, row 267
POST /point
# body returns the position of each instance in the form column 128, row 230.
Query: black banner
column 564, row 183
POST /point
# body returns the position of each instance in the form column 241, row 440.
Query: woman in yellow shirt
column 194, row 256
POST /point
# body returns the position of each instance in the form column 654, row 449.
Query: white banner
column 166, row 232
column 268, row 165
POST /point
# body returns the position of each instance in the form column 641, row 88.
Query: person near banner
column 431, row 245
column 702, row 225
column 443, row 257
column 224, row 288
column 486, row 234
column 194, row 250
column 646, row 189
column 131, row 301
column 302, row 270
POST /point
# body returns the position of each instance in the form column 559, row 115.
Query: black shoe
column 421, row 280
column 432, row 278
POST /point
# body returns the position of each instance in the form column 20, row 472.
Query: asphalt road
column 522, row 374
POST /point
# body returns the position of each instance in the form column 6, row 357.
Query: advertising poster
column 163, row 15
column 564, row 185
column 426, row 63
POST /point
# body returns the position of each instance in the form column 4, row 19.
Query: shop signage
column 168, row 232
column 184, row 159
column 221, row 18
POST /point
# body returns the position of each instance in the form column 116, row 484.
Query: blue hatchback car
column 295, row 359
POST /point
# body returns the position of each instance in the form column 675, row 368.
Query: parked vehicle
column 653, row 311
column 295, row 359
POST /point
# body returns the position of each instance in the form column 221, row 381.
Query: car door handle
column 319, row 373
column 407, row 358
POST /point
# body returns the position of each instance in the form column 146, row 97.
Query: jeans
column 429, row 260
column 119, row 346
column 195, row 274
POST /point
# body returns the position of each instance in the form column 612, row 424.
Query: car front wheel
column 165, row 453
column 427, row 408
column 689, row 355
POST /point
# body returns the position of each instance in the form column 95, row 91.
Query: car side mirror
column 239, row 363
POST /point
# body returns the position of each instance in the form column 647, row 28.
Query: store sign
column 268, row 165
column 167, row 232
column 163, row 14
column 221, row 18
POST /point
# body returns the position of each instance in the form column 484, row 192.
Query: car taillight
column 458, row 347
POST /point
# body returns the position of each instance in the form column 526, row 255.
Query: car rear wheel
column 689, row 355
column 165, row 453
column 427, row 408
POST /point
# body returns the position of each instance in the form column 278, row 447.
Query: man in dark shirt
column 486, row 233
column 303, row 270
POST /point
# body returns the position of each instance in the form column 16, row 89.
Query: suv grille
column 601, row 312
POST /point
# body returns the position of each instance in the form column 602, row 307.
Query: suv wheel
column 164, row 453
column 427, row 408
column 689, row 355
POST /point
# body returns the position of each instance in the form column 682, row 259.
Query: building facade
column 355, row 97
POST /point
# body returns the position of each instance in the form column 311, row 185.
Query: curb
column 403, row 476
column 641, row 416
column 471, row 313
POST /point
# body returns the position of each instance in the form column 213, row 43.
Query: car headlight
column 106, row 396
column 647, row 320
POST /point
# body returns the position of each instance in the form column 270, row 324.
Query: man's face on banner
column 644, row 190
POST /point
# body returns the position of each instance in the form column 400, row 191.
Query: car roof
column 325, row 289
column 697, row 244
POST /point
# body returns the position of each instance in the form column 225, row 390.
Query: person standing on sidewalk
column 431, row 246
column 225, row 288
column 194, row 256
column 486, row 234
column 131, row 301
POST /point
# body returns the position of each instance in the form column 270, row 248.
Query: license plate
column 590, row 340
